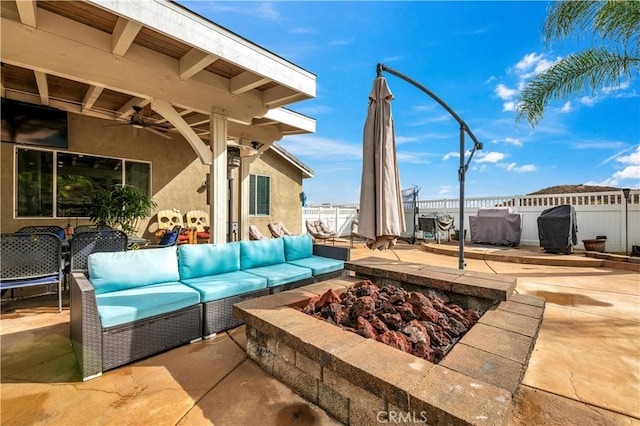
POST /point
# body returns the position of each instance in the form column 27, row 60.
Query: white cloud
column 405, row 139
column 566, row 108
column 588, row 100
column 509, row 106
column 504, row 93
column 490, row 157
column 531, row 65
column 633, row 158
column 449, row 155
column 610, row 89
column 445, row 189
column 513, row 167
column 318, row 148
column 630, row 172
column 509, row 141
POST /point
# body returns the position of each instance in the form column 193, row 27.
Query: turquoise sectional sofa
column 133, row 304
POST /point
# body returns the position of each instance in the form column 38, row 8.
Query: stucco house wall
column 177, row 176
column 286, row 186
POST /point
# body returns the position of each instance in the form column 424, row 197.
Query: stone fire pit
column 362, row 381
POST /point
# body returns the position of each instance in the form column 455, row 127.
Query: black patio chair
column 30, row 259
column 95, row 227
column 84, row 243
column 54, row 229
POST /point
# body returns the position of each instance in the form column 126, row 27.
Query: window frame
column 253, row 198
column 55, row 152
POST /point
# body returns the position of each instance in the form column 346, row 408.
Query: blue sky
column 475, row 56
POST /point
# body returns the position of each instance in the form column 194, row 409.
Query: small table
column 134, row 241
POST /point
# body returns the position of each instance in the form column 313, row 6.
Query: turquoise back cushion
column 298, row 247
column 256, row 253
column 134, row 268
column 200, row 260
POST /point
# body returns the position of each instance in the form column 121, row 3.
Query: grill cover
column 435, row 222
column 558, row 229
column 496, row 226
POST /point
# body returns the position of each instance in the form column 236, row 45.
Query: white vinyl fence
column 597, row 213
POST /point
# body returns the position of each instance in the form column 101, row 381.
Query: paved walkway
column 585, row 368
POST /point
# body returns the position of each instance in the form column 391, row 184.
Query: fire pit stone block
column 362, row 381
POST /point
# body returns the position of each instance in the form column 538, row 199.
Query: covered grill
column 558, row 229
column 498, row 225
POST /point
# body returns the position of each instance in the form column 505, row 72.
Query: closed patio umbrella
column 381, row 215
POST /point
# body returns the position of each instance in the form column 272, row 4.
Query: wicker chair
column 84, row 243
column 278, row 229
column 255, row 234
column 319, row 231
column 354, row 231
column 29, row 259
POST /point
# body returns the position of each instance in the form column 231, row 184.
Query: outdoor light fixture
column 233, row 162
column 477, row 145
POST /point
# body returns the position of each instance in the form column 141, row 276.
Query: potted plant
column 120, row 207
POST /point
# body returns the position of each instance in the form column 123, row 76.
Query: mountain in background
column 573, row 189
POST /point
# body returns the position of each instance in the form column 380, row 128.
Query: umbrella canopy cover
column 381, row 215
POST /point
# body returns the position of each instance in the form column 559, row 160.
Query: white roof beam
column 193, row 62
column 168, row 18
column 28, row 11
column 55, row 103
column 127, row 109
column 291, row 118
column 90, row 98
column 245, row 82
column 166, row 110
column 279, row 96
column 43, row 87
column 141, row 73
column 123, row 35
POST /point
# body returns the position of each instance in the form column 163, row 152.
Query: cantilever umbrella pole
column 463, row 166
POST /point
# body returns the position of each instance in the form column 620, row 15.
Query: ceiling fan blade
column 158, row 132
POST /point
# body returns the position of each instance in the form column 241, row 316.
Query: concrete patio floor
column 585, row 368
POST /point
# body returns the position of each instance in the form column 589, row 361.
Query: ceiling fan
column 138, row 121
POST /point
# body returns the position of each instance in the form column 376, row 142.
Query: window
column 259, row 195
column 77, row 177
column 34, row 183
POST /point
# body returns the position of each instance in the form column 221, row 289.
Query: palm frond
column 611, row 19
column 620, row 21
column 567, row 17
column 587, row 70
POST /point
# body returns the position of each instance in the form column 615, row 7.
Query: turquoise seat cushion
column 221, row 286
column 200, row 260
column 319, row 265
column 122, row 270
column 282, row 273
column 133, row 304
column 257, row 253
column 297, row 246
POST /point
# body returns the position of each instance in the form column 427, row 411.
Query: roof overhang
column 106, row 58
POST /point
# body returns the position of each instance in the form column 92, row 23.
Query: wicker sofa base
column 131, row 342
column 218, row 314
column 98, row 349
